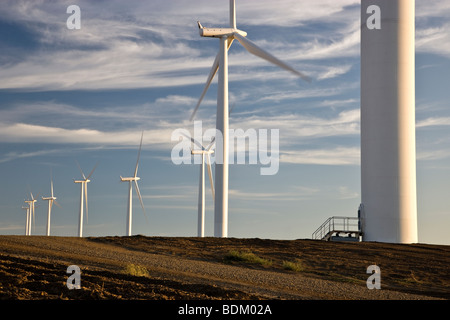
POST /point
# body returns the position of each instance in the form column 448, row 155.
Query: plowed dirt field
column 158, row 268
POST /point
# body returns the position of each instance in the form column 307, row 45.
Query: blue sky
column 86, row 95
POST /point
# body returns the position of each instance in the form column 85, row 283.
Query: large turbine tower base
column 388, row 155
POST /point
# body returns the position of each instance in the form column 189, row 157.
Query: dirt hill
column 165, row 268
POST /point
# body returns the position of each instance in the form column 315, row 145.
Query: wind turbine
column 227, row 35
column 51, row 200
column 31, row 218
column 83, row 183
column 130, row 180
column 204, row 151
column 28, row 219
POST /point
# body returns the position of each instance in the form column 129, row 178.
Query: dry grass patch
column 296, row 266
column 136, row 270
column 248, row 257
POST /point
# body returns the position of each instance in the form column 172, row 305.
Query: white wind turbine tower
column 204, row 151
column 28, row 219
column 130, row 180
column 51, row 200
column 227, row 35
column 83, row 183
column 388, row 137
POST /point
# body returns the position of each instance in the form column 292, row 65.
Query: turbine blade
column 231, row 109
column 29, row 190
column 90, row 174
column 211, row 75
column 254, row 49
column 136, row 186
column 86, row 200
column 79, row 167
column 193, row 140
column 51, row 181
column 208, row 160
column 232, row 14
column 210, row 144
column 139, row 154
column 56, row 202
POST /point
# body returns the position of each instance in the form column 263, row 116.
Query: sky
column 86, row 95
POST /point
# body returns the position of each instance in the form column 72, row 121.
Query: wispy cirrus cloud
column 432, row 25
column 434, row 40
column 294, row 12
column 329, row 156
column 14, row 155
column 432, row 9
column 295, row 127
column 28, row 133
column 345, row 123
column 126, row 51
column 433, row 122
column 435, row 154
column 147, row 51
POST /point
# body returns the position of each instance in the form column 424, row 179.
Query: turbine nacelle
column 202, row 151
column 81, row 181
column 219, row 32
column 129, row 179
column 49, row 198
column 30, row 202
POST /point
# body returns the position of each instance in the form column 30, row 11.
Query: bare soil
column 34, row 268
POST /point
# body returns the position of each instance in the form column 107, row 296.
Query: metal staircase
column 339, row 229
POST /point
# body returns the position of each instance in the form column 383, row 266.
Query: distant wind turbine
column 31, row 218
column 204, row 151
column 227, row 35
column 130, row 180
column 83, row 183
column 51, row 200
column 28, row 219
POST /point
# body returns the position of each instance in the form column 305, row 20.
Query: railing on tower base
column 339, row 229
